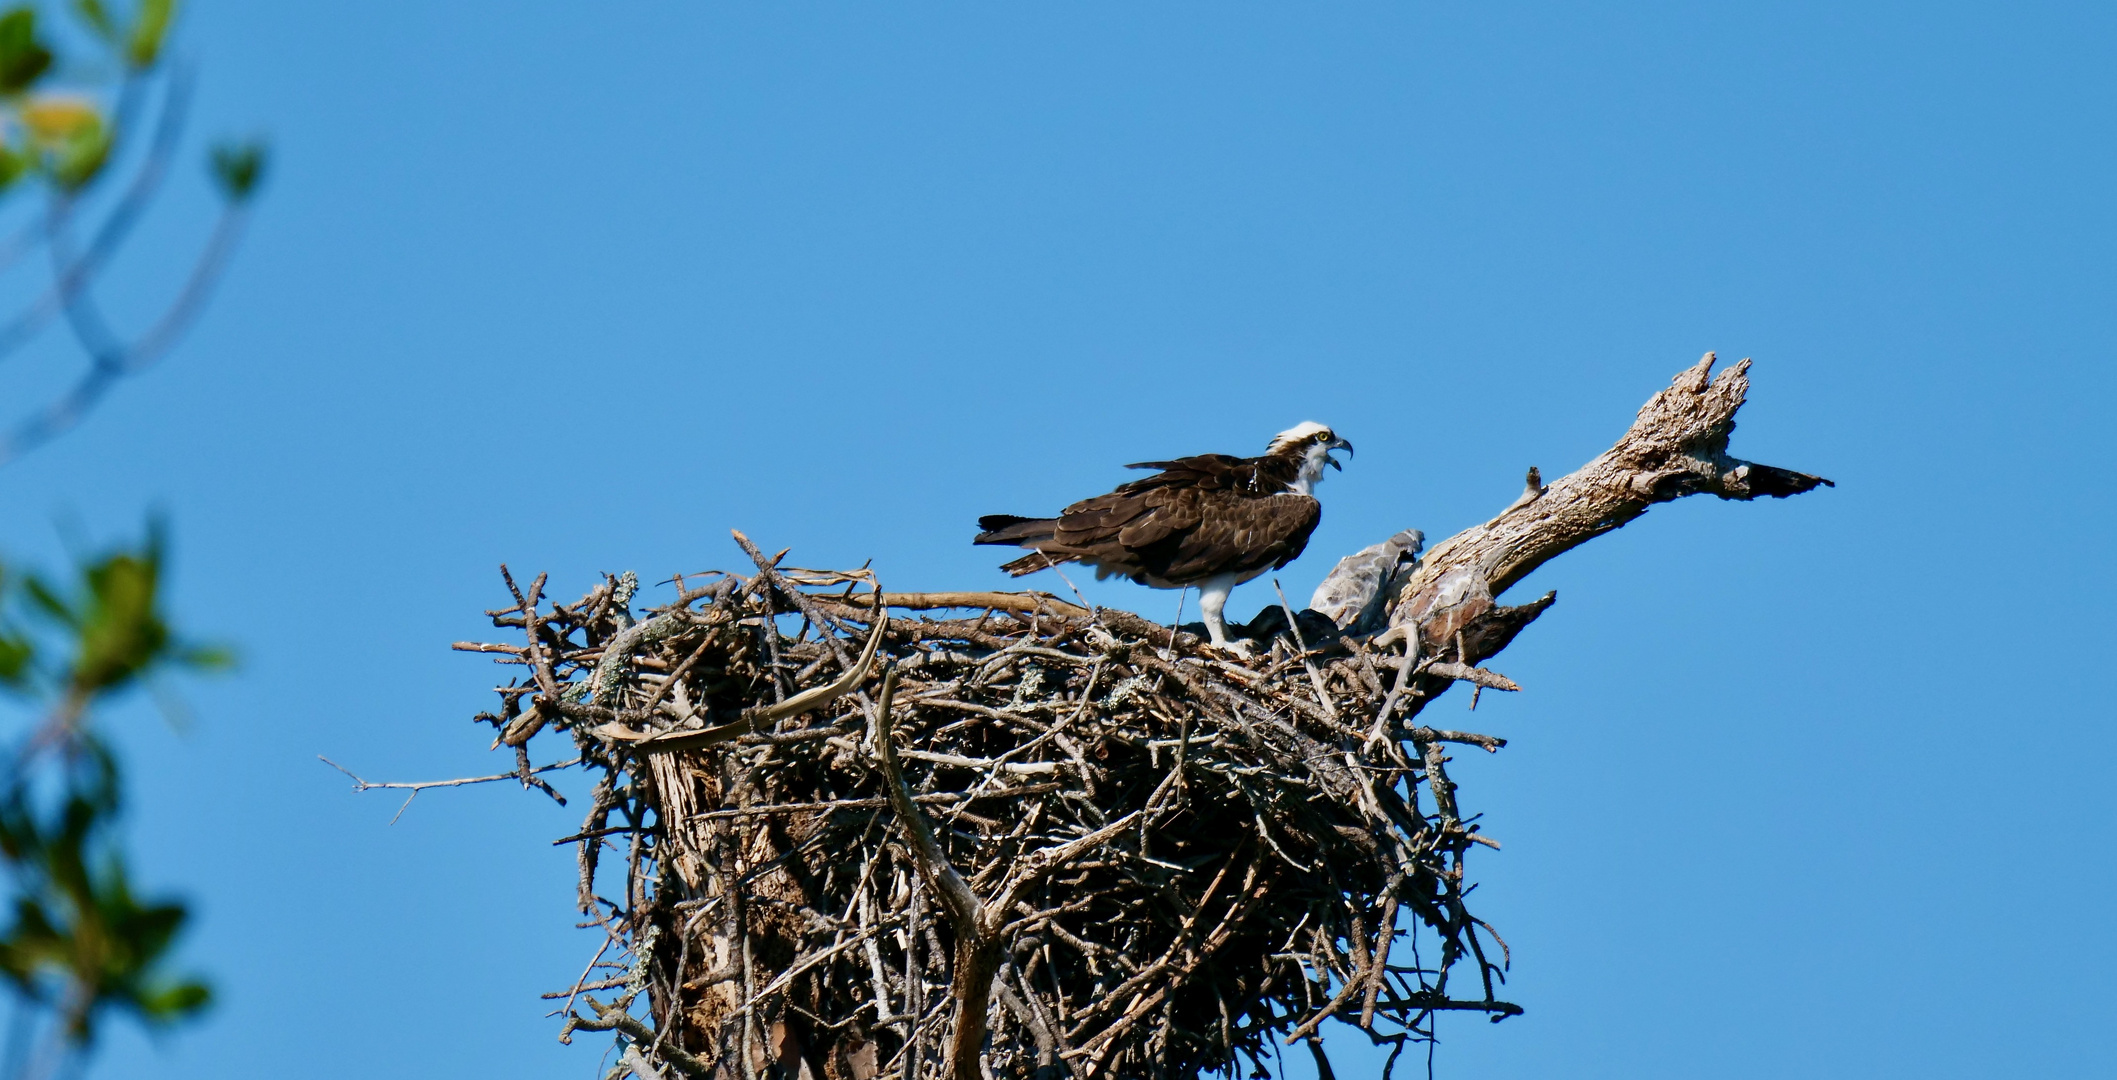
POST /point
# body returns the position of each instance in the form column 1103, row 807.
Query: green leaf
column 113, row 614
column 173, row 1001
column 121, row 632
column 17, row 651
column 81, row 159
column 23, row 59
column 97, row 17
column 47, row 602
column 81, row 939
column 12, row 166
column 149, row 28
column 238, row 168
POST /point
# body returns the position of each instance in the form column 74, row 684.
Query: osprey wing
column 1195, row 518
column 1244, row 535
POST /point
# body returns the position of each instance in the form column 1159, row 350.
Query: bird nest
column 1013, row 836
column 1059, row 840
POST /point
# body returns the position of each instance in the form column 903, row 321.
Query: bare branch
column 1677, row 446
column 415, row 787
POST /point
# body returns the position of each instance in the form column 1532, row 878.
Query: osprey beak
column 1338, row 444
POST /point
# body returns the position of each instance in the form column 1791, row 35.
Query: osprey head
column 1310, row 443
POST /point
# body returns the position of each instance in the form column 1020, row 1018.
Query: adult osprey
column 1213, row 521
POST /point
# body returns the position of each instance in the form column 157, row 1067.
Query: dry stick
column 639, row 1066
column 1023, row 603
column 1180, row 593
column 768, row 569
column 675, row 991
column 419, row 786
column 791, row 973
column 884, row 1008
column 1315, row 677
column 940, row 874
column 526, row 727
column 676, row 676
column 616, row 1019
column 589, row 854
column 768, row 631
column 540, row 665
column 1443, row 788
column 1353, row 985
column 1032, row 1017
column 914, row 981
column 1387, row 929
column 749, row 1022
column 1075, row 589
column 1479, row 678
column 579, row 984
column 1396, row 689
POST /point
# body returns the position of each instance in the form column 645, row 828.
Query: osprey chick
column 1213, row 521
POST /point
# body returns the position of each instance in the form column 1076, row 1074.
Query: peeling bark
column 1676, row 447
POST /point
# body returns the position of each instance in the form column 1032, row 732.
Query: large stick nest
column 1015, row 837
column 1275, row 823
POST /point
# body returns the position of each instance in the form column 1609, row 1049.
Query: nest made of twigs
column 1269, row 842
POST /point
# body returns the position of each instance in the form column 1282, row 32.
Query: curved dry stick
column 1028, row 603
column 755, row 718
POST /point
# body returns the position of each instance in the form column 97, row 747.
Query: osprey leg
column 1212, row 598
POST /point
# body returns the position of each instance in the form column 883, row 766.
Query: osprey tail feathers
column 1022, row 532
column 1009, row 529
column 1035, row 561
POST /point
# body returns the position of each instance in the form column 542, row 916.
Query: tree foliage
column 79, row 941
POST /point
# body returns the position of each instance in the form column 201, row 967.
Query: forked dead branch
column 1010, row 836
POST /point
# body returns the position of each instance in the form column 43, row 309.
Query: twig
column 418, row 786
column 1315, row 677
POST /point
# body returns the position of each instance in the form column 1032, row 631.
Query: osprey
column 1213, row 521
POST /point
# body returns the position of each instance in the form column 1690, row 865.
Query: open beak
column 1338, row 444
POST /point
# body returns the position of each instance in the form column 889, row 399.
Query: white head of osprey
column 1212, row 521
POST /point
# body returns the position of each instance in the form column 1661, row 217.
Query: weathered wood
column 1677, row 446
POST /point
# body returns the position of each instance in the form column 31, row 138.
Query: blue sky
column 1816, row 787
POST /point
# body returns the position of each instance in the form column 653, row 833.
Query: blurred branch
column 72, row 276
column 70, row 171
column 112, row 360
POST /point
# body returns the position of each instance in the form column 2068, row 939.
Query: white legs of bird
column 1212, row 599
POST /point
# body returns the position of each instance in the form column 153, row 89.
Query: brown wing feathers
column 1195, row 518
